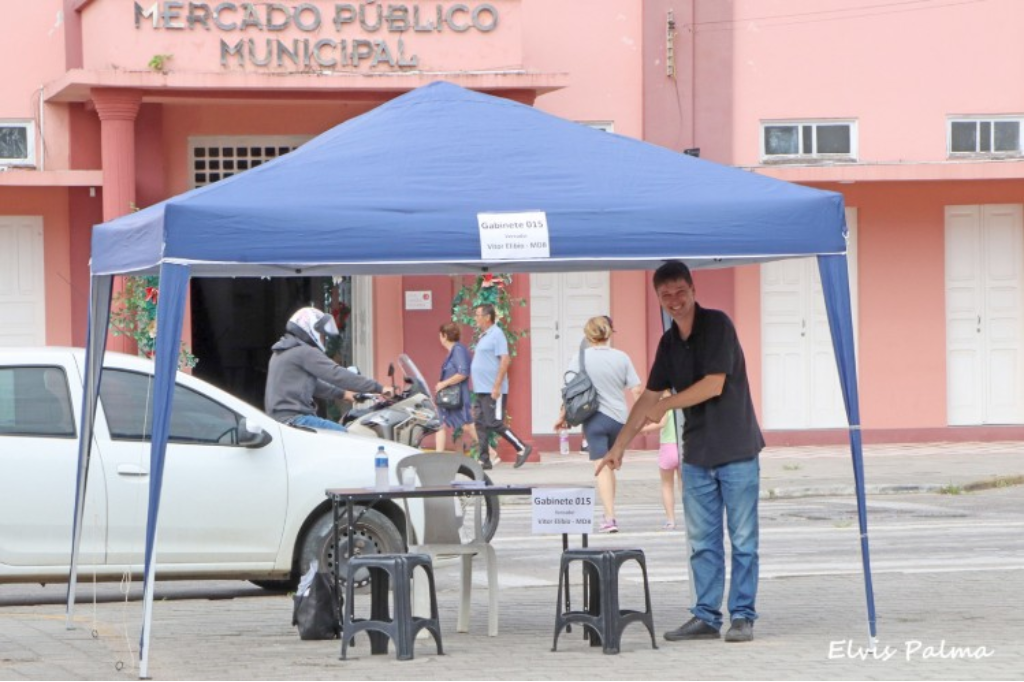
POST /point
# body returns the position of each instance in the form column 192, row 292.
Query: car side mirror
column 251, row 434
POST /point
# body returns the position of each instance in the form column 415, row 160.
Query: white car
column 236, row 503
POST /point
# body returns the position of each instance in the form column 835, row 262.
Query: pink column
column 117, row 110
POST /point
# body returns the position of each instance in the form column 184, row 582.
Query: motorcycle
column 408, row 417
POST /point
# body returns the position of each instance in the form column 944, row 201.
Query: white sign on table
column 514, row 236
column 563, row 510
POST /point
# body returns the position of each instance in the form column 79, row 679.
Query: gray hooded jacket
column 300, row 372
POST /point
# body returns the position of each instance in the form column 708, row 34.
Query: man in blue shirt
column 489, row 372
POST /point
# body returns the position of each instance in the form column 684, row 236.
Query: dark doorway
column 236, row 321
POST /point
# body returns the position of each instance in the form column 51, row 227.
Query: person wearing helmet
column 300, row 371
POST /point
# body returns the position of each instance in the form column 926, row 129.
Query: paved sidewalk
column 815, row 632
column 936, row 624
column 788, row 472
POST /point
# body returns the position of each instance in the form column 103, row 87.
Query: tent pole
column 856, row 450
column 835, row 285
column 170, row 313
column 100, row 292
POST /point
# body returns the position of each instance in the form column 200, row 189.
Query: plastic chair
column 441, row 526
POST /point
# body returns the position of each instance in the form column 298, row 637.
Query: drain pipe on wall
column 41, row 144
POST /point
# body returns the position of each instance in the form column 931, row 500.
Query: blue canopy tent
column 445, row 180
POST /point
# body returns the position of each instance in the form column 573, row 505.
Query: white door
column 984, row 320
column 800, row 380
column 560, row 304
column 22, row 294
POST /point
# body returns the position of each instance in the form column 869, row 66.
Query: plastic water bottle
column 563, row 441
column 380, row 468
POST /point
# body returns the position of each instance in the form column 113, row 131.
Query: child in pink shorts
column 669, row 468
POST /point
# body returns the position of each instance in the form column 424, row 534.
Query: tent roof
column 399, row 190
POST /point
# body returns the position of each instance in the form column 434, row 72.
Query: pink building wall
column 603, row 60
column 33, row 47
column 747, row 297
column 52, row 206
column 898, row 74
column 197, row 119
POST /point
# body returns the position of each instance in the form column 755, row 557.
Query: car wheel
column 373, row 534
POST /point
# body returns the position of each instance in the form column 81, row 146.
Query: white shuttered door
column 560, row 304
column 22, row 293
column 984, row 320
column 800, row 381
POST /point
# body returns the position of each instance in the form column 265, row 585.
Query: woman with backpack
column 611, row 372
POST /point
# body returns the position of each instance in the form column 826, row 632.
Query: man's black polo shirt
column 722, row 429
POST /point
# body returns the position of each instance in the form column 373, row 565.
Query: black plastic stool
column 401, row 626
column 602, row 615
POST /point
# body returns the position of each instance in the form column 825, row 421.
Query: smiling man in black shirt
column 701, row 360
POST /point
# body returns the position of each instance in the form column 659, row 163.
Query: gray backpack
column 579, row 396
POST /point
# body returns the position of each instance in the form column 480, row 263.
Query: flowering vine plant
column 134, row 315
column 494, row 289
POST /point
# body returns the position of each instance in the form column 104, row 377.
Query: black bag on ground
column 579, row 396
column 317, row 611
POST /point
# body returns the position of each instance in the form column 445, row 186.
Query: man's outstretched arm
column 636, row 421
column 650, row 409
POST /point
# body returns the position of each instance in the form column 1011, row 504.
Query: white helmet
column 312, row 323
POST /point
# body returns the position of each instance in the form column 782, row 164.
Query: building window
column 17, row 143
column 987, row 137
column 803, row 141
column 215, row 158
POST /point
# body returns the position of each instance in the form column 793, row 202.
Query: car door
column 223, row 505
column 40, row 399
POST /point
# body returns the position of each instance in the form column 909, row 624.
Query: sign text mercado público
column 374, row 22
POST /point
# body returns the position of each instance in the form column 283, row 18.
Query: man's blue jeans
column 731, row 489
column 313, row 421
